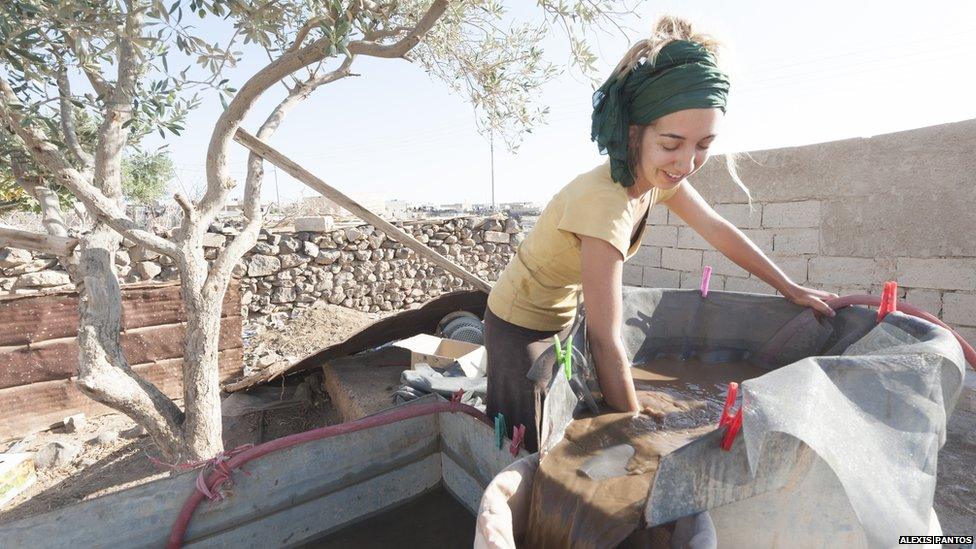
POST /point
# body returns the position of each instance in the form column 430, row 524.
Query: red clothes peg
column 731, row 422
column 889, row 300
column 456, row 397
column 518, row 436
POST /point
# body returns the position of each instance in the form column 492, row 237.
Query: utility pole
column 491, row 148
column 277, row 193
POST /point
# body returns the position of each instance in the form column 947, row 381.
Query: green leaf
column 162, row 10
column 14, row 61
column 223, row 101
column 29, row 55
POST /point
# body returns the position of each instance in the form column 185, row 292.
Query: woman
column 655, row 117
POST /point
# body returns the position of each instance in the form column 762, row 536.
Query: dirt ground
column 102, row 468
column 105, row 468
column 311, row 330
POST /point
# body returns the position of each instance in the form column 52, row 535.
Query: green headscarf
column 683, row 76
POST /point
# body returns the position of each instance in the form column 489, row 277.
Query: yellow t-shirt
column 539, row 287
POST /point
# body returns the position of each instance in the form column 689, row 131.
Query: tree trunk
column 103, row 372
column 201, row 380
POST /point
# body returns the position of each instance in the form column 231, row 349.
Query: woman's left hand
column 809, row 297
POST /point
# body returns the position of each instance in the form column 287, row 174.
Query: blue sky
column 801, row 73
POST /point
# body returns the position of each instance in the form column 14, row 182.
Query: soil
column 103, row 469
column 591, row 488
column 311, row 330
column 98, row 469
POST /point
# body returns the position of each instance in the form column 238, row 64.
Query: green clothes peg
column 500, row 430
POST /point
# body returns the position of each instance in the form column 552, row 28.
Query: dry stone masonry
column 355, row 266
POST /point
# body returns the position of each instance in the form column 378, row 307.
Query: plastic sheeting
column 849, row 406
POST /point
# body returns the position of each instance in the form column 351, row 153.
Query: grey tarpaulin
column 859, row 404
column 426, row 380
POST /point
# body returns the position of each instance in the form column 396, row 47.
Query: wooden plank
column 142, row 516
column 35, row 318
column 38, row 406
column 58, row 359
column 38, row 318
column 265, row 151
column 39, row 242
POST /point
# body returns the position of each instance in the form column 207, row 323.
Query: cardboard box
column 442, row 353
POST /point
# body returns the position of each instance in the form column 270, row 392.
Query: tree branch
column 98, row 83
column 303, row 33
column 38, row 242
column 184, row 204
column 113, row 134
column 233, row 252
column 68, row 119
column 47, row 155
column 219, row 181
column 380, row 34
column 405, row 44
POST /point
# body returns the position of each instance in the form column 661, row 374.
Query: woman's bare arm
column 728, row 239
column 602, row 266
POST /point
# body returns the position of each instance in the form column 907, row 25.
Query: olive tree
column 125, row 49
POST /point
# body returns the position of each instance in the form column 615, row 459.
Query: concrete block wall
column 843, row 216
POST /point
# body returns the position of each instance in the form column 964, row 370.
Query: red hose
column 874, row 301
column 399, row 414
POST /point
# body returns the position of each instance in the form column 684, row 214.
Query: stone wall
column 843, row 216
column 356, row 266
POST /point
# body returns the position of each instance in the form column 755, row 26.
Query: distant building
column 522, row 208
column 397, row 209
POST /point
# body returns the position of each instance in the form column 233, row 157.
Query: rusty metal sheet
column 44, row 316
column 38, row 406
column 58, row 359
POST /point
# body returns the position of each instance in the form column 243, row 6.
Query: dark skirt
column 511, row 350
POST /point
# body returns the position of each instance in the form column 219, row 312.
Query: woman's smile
column 672, row 177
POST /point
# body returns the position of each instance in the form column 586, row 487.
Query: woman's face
column 674, row 147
